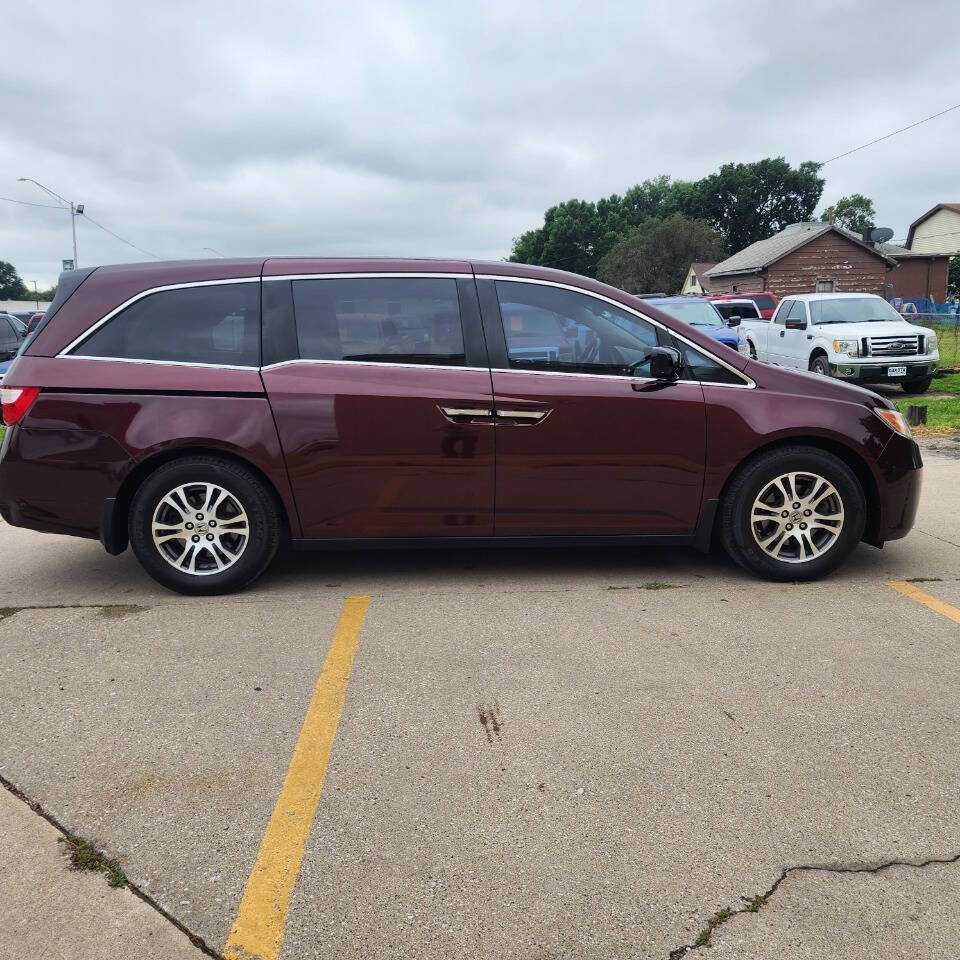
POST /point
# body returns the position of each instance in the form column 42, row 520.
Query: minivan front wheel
column 202, row 525
column 793, row 513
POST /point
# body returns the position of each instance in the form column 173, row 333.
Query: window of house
column 548, row 328
column 824, row 286
column 217, row 324
column 379, row 319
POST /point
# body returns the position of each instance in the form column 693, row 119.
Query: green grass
column 943, row 413
column 948, row 341
column 948, row 383
column 84, row 856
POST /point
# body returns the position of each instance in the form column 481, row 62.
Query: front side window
column 785, row 307
column 798, row 312
column 380, row 319
column 217, row 324
column 549, row 328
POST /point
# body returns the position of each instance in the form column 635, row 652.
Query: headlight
column 932, row 343
column 743, row 348
column 850, row 347
column 894, row 419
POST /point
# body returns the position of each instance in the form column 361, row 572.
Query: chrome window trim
column 67, row 350
column 162, row 363
column 370, row 363
column 748, row 384
column 425, row 275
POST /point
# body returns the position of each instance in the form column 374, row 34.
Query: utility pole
column 76, row 210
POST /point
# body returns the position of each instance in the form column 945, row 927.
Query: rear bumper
column 901, row 467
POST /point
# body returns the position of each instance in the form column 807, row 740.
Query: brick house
column 806, row 258
column 812, row 257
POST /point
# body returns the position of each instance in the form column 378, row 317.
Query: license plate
column 896, row 371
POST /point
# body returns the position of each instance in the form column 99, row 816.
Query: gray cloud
column 442, row 128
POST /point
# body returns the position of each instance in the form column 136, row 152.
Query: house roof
column 765, row 252
column 916, row 223
column 701, row 267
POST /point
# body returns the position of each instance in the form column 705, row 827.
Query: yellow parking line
column 921, row 596
column 262, row 918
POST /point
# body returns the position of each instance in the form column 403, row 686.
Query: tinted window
column 763, row 300
column 217, row 324
column 701, row 367
column 746, row 311
column 385, row 319
column 548, row 328
column 797, row 311
column 9, row 338
column 785, row 306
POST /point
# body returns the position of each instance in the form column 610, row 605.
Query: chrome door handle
column 467, row 411
column 522, row 414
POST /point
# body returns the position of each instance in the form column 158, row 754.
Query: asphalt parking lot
column 539, row 754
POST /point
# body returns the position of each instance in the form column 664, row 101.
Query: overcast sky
column 443, row 129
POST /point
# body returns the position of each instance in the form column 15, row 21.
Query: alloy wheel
column 200, row 528
column 797, row 517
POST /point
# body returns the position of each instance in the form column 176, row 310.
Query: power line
column 27, row 203
column 887, row 136
column 121, row 239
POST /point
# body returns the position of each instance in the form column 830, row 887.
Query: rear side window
column 763, row 300
column 380, row 319
column 217, row 324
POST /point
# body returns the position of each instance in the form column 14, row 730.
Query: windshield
column 697, row 313
column 851, row 310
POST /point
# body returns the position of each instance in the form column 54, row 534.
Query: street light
column 213, row 250
column 76, row 209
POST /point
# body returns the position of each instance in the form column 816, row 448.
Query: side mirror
column 795, row 324
column 734, row 321
column 666, row 363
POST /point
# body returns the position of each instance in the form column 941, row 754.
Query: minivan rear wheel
column 793, row 513
column 204, row 525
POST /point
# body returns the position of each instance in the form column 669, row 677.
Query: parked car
column 854, row 336
column 765, row 300
column 699, row 312
column 35, row 318
column 207, row 411
column 11, row 336
column 734, row 312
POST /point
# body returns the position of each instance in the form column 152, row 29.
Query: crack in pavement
column 194, row 938
column 755, row 904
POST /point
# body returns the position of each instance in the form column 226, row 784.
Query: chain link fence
column 947, row 328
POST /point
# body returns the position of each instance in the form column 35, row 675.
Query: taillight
column 15, row 402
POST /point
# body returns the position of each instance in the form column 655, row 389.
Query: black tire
column 749, row 482
column 247, row 490
column 821, row 365
column 916, row 386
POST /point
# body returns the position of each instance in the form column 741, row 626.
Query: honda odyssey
column 205, row 412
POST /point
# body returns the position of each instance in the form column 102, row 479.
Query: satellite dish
column 881, row 234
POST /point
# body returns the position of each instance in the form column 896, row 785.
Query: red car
column 766, row 301
column 207, row 412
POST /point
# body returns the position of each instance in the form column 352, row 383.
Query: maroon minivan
column 208, row 411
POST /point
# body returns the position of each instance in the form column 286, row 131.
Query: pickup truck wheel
column 820, row 364
column 793, row 513
column 917, row 386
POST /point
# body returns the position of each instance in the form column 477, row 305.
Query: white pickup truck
column 851, row 336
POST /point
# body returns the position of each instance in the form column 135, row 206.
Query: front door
column 587, row 443
column 385, row 412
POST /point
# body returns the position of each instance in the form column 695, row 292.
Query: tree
column 953, row 278
column 854, row 213
column 743, row 201
column 11, row 286
column 747, row 202
column 656, row 255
